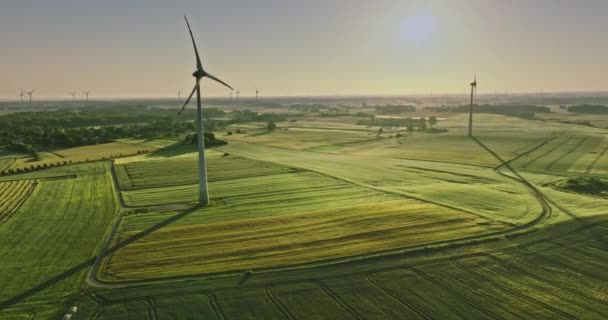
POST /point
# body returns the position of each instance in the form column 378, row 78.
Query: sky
column 141, row 48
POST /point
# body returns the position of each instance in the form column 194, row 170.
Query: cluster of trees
column 398, row 122
column 209, row 137
column 252, row 116
column 589, row 108
column 30, row 131
column 513, row 110
column 394, row 109
column 410, row 125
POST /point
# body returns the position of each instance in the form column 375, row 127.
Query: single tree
column 422, row 125
column 379, row 132
column 409, row 126
column 432, row 121
column 271, row 126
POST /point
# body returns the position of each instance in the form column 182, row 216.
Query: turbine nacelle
column 199, row 74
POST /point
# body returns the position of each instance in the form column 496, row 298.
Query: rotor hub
column 198, row 74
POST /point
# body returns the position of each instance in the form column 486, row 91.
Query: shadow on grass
column 91, row 262
column 569, row 213
column 176, row 149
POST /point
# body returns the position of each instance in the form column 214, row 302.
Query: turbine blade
column 218, row 80
column 199, row 65
column 189, row 97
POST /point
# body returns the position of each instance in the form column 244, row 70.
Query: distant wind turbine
column 73, row 93
column 202, row 166
column 257, row 92
column 237, row 96
column 86, row 93
column 473, row 90
column 30, row 94
column 230, row 95
column 21, row 94
column 179, row 95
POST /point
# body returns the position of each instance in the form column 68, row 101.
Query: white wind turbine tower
column 473, row 90
column 86, row 93
column 202, row 166
column 73, row 93
column 21, row 94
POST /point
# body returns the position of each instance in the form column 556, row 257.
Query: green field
column 61, row 226
column 320, row 219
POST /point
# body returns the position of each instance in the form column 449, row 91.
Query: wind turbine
column 202, row 166
column 73, row 93
column 473, row 89
column 30, row 94
column 87, row 94
column 237, row 96
column 179, row 95
column 256, row 94
column 21, row 94
column 230, row 95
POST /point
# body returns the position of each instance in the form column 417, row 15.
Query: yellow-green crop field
column 321, row 218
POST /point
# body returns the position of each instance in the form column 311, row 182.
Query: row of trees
column 589, row 109
column 399, row 122
column 513, row 110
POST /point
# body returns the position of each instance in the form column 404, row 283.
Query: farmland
column 12, row 195
column 320, row 218
column 57, row 239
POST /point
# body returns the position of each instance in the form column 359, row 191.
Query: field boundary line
column 332, row 295
column 92, row 276
column 594, row 162
column 374, row 282
column 509, row 290
column 546, row 281
column 525, row 166
column 212, row 299
column 455, row 294
column 554, row 162
column 274, row 300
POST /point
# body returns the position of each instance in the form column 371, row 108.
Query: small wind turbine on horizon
column 237, row 96
column 86, row 93
column 473, row 90
column 179, row 95
column 202, row 165
column 21, row 94
column 257, row 92
column 30, row 94
column 73, row 93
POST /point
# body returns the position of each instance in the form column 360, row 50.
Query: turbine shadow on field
column 176, row 149
column 91, row 262
column 550, row 201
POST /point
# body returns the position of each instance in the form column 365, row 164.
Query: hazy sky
column 140, row 48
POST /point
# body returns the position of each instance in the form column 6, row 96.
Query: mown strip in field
column 184, row 171
column 12, row 195
column 301, row 234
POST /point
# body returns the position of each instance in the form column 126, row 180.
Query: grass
column 184, row 171
column 317, row 192
column 59, row 227
column 78, row 155
column 277, row 220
